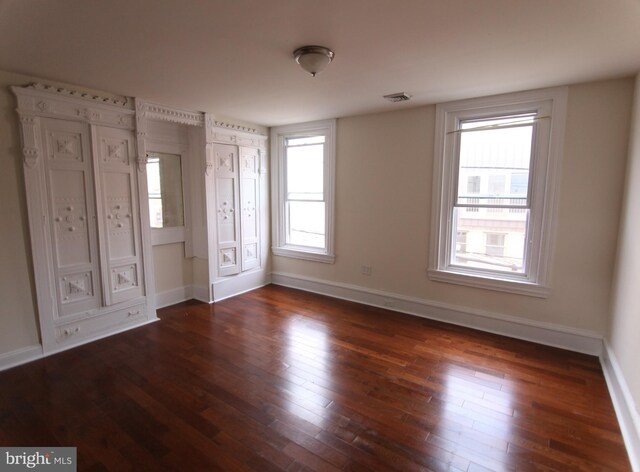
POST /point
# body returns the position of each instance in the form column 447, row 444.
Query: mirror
column 164, row 185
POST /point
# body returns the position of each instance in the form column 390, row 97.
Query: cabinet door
column 250, row 208
column 71, row 214
column 118, row 214
column 226, row 182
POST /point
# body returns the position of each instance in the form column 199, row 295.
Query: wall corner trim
column 623, row 403
column 549, row 334
column 20, row 356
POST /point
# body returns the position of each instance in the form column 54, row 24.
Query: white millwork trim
column 550, row 334
column 173, row 296
column 20, row 356
column 626, row 409
column 241, row 283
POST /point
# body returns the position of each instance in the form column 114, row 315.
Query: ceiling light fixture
column 313, row 59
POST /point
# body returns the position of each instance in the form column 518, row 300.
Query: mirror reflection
column 164, row 185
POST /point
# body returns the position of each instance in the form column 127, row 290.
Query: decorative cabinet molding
column 153, row 111
column 83, row 203
column 85, row 170
column 235, row 169
column 39, row 100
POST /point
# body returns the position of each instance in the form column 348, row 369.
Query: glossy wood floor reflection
column 279, row 379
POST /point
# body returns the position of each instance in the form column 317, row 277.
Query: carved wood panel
column 68, row 174
column 249, row 196
column 119, row 207
column 225, row 160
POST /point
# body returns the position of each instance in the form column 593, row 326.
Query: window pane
column 499, row 158
column 519, row 184
column 485, row 240
column 306, row 224
column 305, row 172
column 473, row 184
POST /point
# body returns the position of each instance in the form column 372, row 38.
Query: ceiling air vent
column 398, row 97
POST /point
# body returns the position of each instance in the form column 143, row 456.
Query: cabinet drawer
column 100, row 325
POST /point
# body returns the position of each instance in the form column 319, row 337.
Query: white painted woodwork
column 118, row 207
column 81, row 181
column 227, row 195
column 85, row 162
column 249, row 207
column 236, row 208
column 68, row 173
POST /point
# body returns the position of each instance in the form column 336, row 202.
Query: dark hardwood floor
column 279, row 379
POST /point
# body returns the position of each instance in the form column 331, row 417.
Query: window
column 302, row 170
column 495, row 177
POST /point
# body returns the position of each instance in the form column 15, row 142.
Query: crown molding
column 155, row 111
column 123, row 101
column 230, row 133
column 39, row 100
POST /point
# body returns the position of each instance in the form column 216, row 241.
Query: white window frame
column 550, row 108
column 279, row 134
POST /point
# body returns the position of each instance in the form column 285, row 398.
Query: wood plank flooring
column 278, row 379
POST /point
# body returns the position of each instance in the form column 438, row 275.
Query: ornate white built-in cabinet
column 82, row 180
column 86, row 172
column 236, row 188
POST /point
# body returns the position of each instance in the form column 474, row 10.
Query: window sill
column 302, row 254
column 170, row 235
column 488, row 283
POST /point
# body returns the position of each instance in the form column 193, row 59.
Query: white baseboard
column 626, row 410
column 173, row 296
column 20, row 356
column 550, row 334
column 241, row 283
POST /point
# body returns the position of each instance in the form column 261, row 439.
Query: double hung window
column 495, row 178
column 303, row 167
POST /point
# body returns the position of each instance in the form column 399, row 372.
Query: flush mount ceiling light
column 313, row 59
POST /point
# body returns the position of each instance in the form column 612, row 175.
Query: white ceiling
column 233, row 57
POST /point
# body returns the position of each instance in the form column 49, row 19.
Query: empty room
column 299, row 235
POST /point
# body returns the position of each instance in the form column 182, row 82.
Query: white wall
column 18, row 324
column 172, row 269
column 624, row 326
column 383, row 200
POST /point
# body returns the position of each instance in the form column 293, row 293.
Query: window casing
column 303, row 162
column 496, row 169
